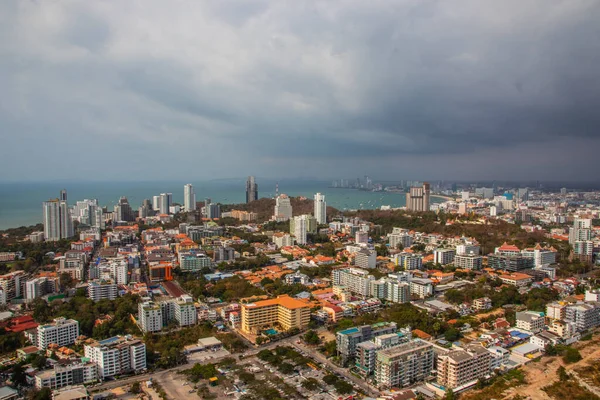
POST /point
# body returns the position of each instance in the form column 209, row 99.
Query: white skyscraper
column 301, row 228
column 165, row 203
column 320, row 208
column 57, row 220
column 156, row 203
column 283, row 208
column 189, row 198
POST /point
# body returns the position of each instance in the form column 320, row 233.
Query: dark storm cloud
column 296, row 88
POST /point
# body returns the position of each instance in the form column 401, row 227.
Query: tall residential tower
column 251, row 190
column 417, row 198
column 189, row 198
column 57, row 220
column 320, row 208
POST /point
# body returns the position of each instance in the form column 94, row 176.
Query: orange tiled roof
column 285, row 301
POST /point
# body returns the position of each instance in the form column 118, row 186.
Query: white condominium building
column 102, row 290
column 117, row 355
column 320, row 208
column 355, row 280
column 61, row 331
column 185, row 311
column 283, row 208
column 189, row 198
column 404, row 365
column 468, row 261
column 150, row 317
column 443, row 256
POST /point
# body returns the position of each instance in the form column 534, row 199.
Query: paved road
column 369, row 390
column 162, row 373
column 312, row 353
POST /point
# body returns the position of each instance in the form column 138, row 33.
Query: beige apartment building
column 459, row 367
column 285, row 311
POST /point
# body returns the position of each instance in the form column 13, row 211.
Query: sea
column 21, row 203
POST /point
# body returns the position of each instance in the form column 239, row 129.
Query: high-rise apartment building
column 459, row 367
column 251, row 190
column 283, row 208
column 123, row 210
column 404, row 365
column 189, row 198
column 165, row 202
column 150, row 317
column 286, row 311
column 357, row 281
column 320, row 208
column 102, row 290
column 57, row 220
column 117, row 355
column 301, row 225
column 348, row 339
column 417, row 198
column 61, row 331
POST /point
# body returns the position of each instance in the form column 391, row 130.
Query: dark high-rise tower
column 63, row 195
column 251, row 190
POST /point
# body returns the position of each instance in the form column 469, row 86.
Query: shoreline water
column 21, row 203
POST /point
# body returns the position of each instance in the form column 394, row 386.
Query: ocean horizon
column 21, row 203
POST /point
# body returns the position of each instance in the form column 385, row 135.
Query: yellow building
column 287, row 312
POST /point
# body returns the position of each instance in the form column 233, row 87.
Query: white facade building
column 283, row 208
column 189, row 198
column 443, row 256
column 150, row 317
column 102, row 290
column 61, row 331
column 117, row 355
column 320, row 208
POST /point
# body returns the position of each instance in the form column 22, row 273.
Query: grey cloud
column 376, row 84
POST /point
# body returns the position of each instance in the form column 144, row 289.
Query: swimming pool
column 271, row 332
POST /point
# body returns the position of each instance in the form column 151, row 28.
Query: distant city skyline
column 428, row 90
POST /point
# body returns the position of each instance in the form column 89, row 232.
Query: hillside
column 265, row 207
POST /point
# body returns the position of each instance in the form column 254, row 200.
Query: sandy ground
column 544, row 373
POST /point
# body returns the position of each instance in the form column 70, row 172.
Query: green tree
column 18, row 377
column 311, row 384
column 135, row 388
column 452, row 335
column 343, row 387
column 311, row 337
column 562, row 374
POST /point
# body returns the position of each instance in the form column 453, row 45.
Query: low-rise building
column 67, row 373
column 531, row 321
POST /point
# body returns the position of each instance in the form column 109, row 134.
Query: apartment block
column 421, row 287
column 348, row 339
column 357, row 281
column 530, row 321
column 584, row 316
column 150, row 317
column 468, row 261
column 444, row 256
column 404, row 365
column 459, row 367
column 102, row 290
column 67, row 373
column 117, row 355
column 365, row 258
column 408, row 261
column 61, row 331
column 287, row 312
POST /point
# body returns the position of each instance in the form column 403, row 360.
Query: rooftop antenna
column 276, row 189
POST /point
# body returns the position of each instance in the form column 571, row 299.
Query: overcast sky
column 415, row 89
